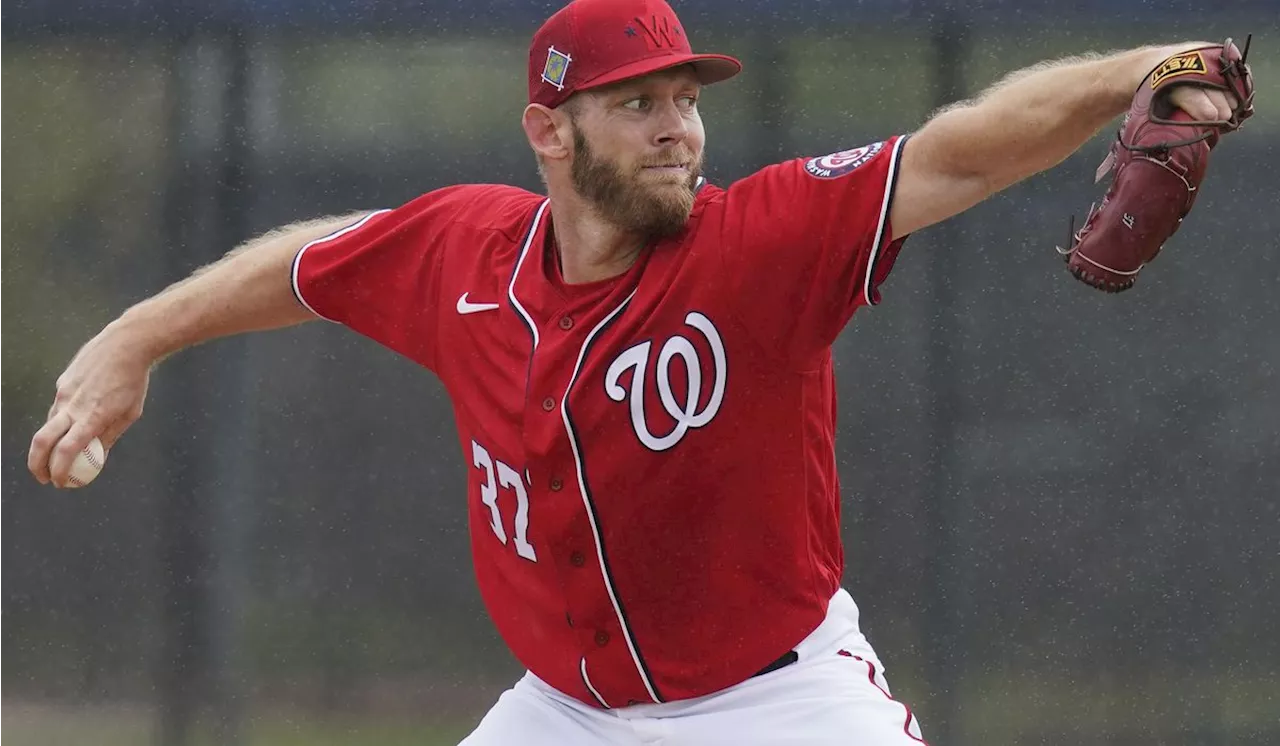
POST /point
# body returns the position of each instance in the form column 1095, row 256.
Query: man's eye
column 689, row 101
column 637, row 104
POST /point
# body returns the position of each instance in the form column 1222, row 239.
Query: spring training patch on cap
column 839, row 164
column 555, row 68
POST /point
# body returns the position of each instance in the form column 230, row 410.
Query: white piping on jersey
column 524, row 251
column 582, row 488
column 587, row 680
column 577, row 454
column 297, row 259
column 884, row 219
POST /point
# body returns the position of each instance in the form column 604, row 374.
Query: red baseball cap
column 592, row 43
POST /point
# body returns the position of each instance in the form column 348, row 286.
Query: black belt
column 787, row 659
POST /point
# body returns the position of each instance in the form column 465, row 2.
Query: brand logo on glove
column 1179, row 64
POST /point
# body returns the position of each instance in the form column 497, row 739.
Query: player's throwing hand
column 100, row 394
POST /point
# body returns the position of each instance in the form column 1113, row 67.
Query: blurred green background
column 1060, row 507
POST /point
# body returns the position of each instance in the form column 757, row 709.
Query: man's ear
column 548, row 132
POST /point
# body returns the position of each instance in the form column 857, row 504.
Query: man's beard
column 652, row 210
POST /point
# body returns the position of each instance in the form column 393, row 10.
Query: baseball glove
column 1159, row 158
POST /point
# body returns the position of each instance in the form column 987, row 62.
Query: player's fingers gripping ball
column 88, row 464
column 1159, row 159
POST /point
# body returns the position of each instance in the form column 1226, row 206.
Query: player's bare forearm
column 102, row 391
column 1035, row 118
column 247, row 290
column 1028, row 122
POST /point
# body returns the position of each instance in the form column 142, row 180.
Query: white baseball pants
column 835, row 693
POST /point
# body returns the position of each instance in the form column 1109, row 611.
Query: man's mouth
column 668, row 168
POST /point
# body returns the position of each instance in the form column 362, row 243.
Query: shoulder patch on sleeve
column 838, row 164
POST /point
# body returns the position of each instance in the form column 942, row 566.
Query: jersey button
column 548, row 404
column 577, row 559
column 602, row 638
column 566, row 322
column 556, row 484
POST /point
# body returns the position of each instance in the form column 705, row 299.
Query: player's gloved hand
column 1159, row 157
column 100, row 394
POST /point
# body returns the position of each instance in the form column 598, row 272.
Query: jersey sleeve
column 380, row 276
column 807, row 241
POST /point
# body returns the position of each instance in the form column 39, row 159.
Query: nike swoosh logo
column 465, row 308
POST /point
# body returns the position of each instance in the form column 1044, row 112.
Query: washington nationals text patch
column 841, row 163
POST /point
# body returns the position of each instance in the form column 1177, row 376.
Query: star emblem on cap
column 629, row 31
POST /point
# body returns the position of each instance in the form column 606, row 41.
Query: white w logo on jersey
column 687, row 415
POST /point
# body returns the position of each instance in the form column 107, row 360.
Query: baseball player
column 640, row 366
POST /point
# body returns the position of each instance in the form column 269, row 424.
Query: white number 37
column 510, row 479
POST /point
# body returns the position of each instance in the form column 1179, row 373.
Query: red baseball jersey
column 653, row 498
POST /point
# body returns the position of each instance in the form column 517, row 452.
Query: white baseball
column 88, row 464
